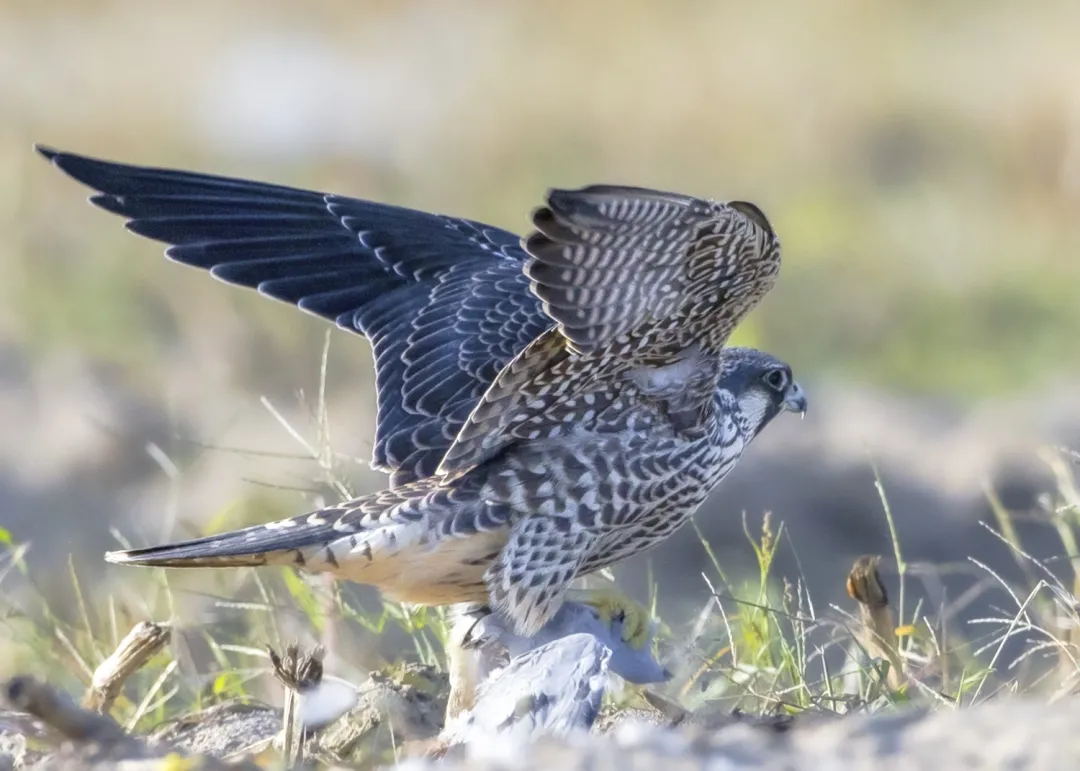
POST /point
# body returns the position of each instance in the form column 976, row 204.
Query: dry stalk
column 297, row 670
column 140, row 645
column 878, row 633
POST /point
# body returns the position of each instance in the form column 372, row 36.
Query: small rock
column 223, row 730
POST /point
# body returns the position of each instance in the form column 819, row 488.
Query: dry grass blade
column 140, row 645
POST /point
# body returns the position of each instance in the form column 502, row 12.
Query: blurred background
column 920, row 161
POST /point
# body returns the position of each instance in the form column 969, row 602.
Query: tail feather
column 417, row 543
column 275, row 543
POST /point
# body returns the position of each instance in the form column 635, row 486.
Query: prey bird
column 547, row 406
column 555, row 689
column 480, row 644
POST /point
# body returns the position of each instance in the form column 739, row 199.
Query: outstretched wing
column 633, row 278
column 443, row 300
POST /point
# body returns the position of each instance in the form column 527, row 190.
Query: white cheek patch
column 754, row 405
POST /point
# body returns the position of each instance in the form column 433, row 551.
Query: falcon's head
column 761, row 385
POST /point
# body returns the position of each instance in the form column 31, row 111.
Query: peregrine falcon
column 547, row 406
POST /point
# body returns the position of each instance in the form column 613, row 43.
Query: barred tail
column 402, row 540
column 275, row 543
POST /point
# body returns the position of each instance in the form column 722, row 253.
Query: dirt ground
column 396, row 721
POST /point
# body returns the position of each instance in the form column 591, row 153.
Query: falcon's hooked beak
column 794, row 399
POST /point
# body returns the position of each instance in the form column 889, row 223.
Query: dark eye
column 776, row 379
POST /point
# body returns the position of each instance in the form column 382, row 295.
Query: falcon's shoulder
column 630, row 277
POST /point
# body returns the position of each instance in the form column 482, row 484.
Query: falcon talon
column 547, row 406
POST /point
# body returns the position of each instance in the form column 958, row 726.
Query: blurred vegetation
column 761, row 643
column 921, row 161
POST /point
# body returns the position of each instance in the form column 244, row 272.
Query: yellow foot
column 612, row 604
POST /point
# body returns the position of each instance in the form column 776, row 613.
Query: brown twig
column 864, row 585
column 98, row 740
column 140, row 645
column 59, row 711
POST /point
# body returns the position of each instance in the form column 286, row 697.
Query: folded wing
column 614, row 262
column 632, row 278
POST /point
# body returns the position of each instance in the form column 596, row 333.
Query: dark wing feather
column 443, row 300
column 632, row 277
